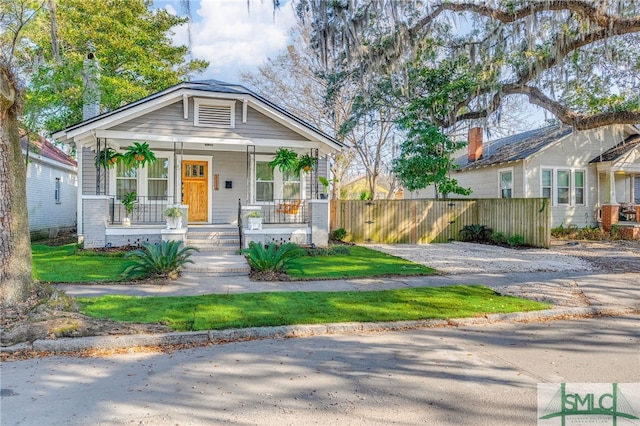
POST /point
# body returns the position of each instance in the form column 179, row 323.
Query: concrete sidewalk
column 573, row 295
column 622, row 290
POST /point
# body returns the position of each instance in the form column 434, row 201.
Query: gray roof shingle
column 619, row 150
column 516, row 147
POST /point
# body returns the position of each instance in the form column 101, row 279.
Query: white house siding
column 45, row 214
column 170, row 121
column 484, row 182
column 88, row 168
column 574, row 152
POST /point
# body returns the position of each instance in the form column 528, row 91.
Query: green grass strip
column 68, row 264
column 361, row 263
column 215, row 312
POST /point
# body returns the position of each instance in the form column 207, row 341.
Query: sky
column 232, row 38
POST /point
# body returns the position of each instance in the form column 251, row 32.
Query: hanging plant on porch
column 139, row 154
column 285, row 160
column 306, row 163
column 108, row 157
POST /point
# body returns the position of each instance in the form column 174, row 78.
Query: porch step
column 214, row 239
column 217, row 265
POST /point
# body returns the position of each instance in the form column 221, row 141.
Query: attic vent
column 214, row 114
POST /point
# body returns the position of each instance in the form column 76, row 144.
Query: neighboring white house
column 52, row 187
column 579, row 171
column 213, row 141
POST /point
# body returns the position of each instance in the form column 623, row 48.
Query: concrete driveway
column 474, row 375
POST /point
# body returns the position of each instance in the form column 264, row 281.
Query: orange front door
column 194, row 190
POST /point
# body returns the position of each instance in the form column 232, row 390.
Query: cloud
column 234, row 39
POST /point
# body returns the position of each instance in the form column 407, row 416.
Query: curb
column 70, row 344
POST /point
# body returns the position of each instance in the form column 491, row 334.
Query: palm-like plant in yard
column 164, row 259
column 273, row 258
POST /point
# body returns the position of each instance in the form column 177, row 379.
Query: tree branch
column 564, row 114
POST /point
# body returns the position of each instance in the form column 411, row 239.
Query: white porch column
column 612, row 189
column 79, row 225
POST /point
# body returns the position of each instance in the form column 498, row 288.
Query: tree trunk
column 15, row 245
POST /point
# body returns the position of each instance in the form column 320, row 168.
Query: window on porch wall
column 158, row 179
column 291, row 186
column 126, row 179
column 264, row 181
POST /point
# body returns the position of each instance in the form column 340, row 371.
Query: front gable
column 209, row 112
column 217, row 119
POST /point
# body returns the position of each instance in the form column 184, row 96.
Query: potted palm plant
column 128, row 201
column 306, row 163
column 108, row 157
column 285, row 160
column 174, row 217
column 139, row 154
column 325, row 186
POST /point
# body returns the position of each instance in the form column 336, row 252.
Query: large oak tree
column 577, row 59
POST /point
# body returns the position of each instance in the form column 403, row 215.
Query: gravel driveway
column 469, row 258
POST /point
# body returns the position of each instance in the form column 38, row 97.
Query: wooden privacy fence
column 438, row 221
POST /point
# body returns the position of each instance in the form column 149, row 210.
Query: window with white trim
column 547, row 183
column 214, row 113
column 153, row 182
column 506, row 184
column 126, row 179
column 56, row 191
column 291, row 186
column 265, row 181
column 158, row 179
column 563, row 189
column 563, row 186
column 578, row 179
column 273, row 184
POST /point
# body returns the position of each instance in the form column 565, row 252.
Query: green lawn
column 68, row 264
column 213, row 312
column 361, row 263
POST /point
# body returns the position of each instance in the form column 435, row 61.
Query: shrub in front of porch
column 267, row 262
column 163, row 260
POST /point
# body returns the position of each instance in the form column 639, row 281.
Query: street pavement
column 472, row 375
column 469, row 374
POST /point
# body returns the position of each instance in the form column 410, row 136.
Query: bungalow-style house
column 52, row 187
column 213, row 142
column 588, row 176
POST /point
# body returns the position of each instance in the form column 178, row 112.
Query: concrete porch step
column 211, row 234
column 213, row 241
column 217, row 265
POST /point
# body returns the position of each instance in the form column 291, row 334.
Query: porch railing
column 146, row 210
column 285, row 211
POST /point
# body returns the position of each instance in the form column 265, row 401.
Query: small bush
column 314, row 252
column 336, row 250
column 331, row 251
column 164, row 259
column 498, row 238
column 475, row 233
column 515, row 240
column 561, row 231
column 273, row 258
column 338, row 234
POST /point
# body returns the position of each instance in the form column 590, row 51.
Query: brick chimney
column 91, row 95
column 475, row 144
